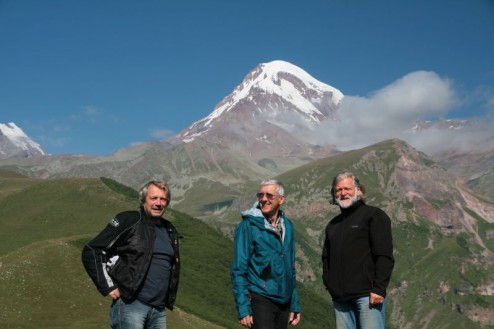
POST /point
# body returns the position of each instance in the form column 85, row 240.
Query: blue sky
column 92, row 76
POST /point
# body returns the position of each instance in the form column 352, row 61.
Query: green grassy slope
column 56, row 208
column 425, row 291
column 44, row 285
column 11, row 182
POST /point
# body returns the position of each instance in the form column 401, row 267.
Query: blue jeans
column 359, row 314
column 136, row 315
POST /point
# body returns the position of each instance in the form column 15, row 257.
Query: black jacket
column 358, row 253
column 120, row 255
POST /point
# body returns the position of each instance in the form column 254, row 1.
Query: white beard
column 347, row 203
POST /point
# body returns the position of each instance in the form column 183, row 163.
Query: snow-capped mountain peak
column 13, row 141
column 274, row 90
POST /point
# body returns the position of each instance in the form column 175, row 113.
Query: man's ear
column 282, row 199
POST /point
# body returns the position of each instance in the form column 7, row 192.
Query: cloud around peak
column 392, row 111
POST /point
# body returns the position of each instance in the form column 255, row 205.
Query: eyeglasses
column 269, row 196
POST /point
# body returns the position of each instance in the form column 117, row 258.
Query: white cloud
column 392, row 111
column 416, row 94
column 475, row 137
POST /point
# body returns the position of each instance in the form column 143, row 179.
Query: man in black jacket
column 135, row 261
column 357, row 257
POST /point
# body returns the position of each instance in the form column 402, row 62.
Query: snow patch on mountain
column 452, row 124
column 14, row 141
column 292, row 85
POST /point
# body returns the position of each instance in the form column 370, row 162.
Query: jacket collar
column 353, row 207
column 256, row 216
column 149, row 220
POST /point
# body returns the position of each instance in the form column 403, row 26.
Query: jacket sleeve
column 382, row 251
column 294, row 301
column 239, row 269
column 325, row 262
column 97, row 257
column 175, row 272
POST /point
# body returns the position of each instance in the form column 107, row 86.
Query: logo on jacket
column 114, row 222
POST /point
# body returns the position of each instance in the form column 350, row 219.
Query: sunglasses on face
column 269, row 196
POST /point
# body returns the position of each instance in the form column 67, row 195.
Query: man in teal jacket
column 263, row 269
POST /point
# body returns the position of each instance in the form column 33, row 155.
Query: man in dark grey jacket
column 135, row 261
column 357, row 257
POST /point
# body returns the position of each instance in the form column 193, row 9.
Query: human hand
column 247, row 321
column 114, row 294
column 294, row 318
column 375, row 299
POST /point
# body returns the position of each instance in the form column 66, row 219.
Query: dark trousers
column 268, row 314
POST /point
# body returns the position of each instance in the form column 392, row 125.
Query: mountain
column 422, row 125
column 15, row 143
column 473, row 168
column 270, row 113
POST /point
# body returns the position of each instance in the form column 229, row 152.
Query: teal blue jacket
column 263, row 263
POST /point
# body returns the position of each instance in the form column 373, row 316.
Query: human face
column 346, row 193
column 269, row 207
column 156, row 201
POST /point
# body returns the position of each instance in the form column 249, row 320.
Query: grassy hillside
column 52, row 209
column 45, row 224
column 430, row 280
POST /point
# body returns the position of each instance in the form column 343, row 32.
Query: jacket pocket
column 266, row 272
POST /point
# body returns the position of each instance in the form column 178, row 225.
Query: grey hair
column 356, row 183
column 279, row 185
column 143, row 192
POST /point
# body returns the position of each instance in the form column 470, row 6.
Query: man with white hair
column 357, row 257
column 263, row 269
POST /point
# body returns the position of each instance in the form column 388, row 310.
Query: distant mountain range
column 263, row 128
